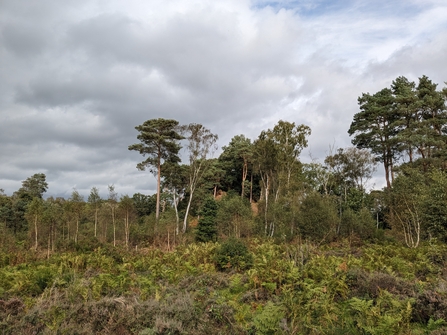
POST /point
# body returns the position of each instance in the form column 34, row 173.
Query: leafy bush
column 233, row 254
column 317, row 218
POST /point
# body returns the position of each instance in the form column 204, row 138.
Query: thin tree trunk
column 35, row 233
column 251, row 188
column 114, row 226
column 177, row 219
column 49, row 244
column 157, row 209
column 185, row 221
column 266, row 195
column 96, row 219
column 244, row 176
column 192, row 187
column 127, row 229
column 77, row 230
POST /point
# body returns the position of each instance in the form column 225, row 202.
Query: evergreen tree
column 207, row 228
column 159, row 141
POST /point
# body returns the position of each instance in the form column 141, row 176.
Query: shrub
column 233, row 254
column 207, row 228
column 317, row 218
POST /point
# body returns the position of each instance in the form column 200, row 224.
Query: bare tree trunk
column 185, row 221
column 49, row 244
column 192, row 187
column 114, row 226
column 157, row 209
column 35, row 232
column 244, row 176
column 127, row 229
column 266, row 195
column 96, row 219
column 251, row 188
column 77, row 230
column 177, row 219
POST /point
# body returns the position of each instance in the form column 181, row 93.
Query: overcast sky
column 77, row 76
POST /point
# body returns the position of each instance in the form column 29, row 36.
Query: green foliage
column 358, row 223
column 385, row 315
column 234, row 216
column 233, row 254
column 267, row 321
column 318, row 218
column 35, row 185
column 288, row 289
column 235, row 161
column 206, row 230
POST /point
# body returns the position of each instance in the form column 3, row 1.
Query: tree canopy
column 159, row 141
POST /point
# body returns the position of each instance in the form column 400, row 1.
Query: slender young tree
column 266, row 163
column 159, row 141
column 34, row 214
column 77, row 206
column 175, row 181
column 201, row 144
column 127, row 207
column 112, row 202
column 95, row 201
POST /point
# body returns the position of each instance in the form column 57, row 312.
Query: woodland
column 251, row 242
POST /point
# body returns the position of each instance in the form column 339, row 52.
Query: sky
column 77, row 76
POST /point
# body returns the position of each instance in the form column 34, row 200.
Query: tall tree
column 375, row 128
column 266, row 159
column 432, row 127
column 290, row 140
column 35, row 185
column 406, row 107
column 236, row 159
column 201, row 144
column 159, row 140
column 276, row 154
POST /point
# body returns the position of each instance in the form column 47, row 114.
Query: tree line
column 261, row 188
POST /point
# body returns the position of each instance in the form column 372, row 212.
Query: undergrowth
column 264, row 288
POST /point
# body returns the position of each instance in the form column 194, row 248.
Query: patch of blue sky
column 315, row 8
column 303, row 7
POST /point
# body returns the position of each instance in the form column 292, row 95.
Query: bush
column 233, row 254
column 318, row 218
column 207, row 228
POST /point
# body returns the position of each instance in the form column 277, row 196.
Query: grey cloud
column 77, row 77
